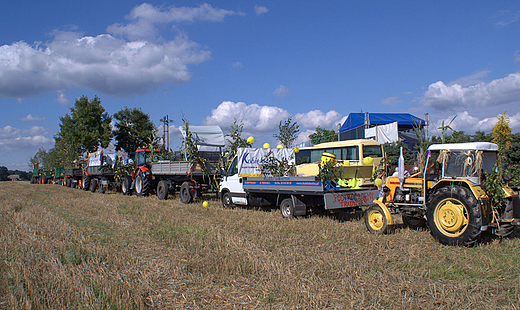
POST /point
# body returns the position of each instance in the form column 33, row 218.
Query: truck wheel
column 375, row 220
column 93, row 185
column 414, row 222
column 185, row 193
column 227, row 202
column 125, row 185
column 162, row 190
column 287, row 208
column 86, row 183
column 454, row 216
column 142, row 184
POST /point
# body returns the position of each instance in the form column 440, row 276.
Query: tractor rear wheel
column 375, row 220
column 454, row 215
column 142, row 184
column 86, row 183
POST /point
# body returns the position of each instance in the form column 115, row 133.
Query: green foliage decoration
column 272, row 166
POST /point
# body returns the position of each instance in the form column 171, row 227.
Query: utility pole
column 166, row 132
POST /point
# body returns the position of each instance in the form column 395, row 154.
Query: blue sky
column 256, row 61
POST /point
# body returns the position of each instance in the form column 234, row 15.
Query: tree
column 513, row 154
column 288, row 132
column 234, row 141
column 85, row 130
column 502, row 136
column 133, row 129
column 37, row 160
column 323, row 135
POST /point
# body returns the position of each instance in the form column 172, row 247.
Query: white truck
column 244, row 185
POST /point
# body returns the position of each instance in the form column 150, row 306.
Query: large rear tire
column 142, row 184
column 454, row 215
column 375, row 220
column 86, row 183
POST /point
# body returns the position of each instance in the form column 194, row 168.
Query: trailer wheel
column 375, row 220
column 125, row 185
column 454, row 216
column 287, row 208
column 227, row 202
column 185, row 193
column 93, row 185
column 162, row 190
column 86, row 183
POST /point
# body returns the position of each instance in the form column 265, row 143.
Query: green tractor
column 450, row 197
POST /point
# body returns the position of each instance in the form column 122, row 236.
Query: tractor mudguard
column 389, row 219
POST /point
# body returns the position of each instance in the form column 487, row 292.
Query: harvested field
column 62, row 248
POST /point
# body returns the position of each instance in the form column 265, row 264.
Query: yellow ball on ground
column 378, row 182
column 368, row 161
column 279, row 146
column 205, row 204
column 266, row 146
column 250, row 140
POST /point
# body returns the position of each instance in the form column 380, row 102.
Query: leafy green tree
column 4, row 173
column 85, row 130
column 288, row 132
column 513, row 154
column 37, row 160
column 323, row 135
column 133, row 128
column 392, row 151
column 481, row 136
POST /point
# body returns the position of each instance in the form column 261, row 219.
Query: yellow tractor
column 449, row 196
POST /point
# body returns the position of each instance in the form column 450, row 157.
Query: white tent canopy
column 205, row 135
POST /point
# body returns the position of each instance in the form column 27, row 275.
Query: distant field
column 62, row 248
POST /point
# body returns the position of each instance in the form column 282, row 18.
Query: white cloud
column 315, row 118
column 254, row 116
column 62, row 99
column 498, row 92
column 259, row 10
column 30, row 118
column 12, row 139
column 504, row 18
column 281, row 92
column 469, row 123
column 391, row 100
column 133, row 59
column 262, row 121
column 237, row 64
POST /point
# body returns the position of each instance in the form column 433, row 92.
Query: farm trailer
column 294, row 195
column 99, row 171
column 165, row 177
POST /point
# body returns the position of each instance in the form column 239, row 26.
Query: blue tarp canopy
column 355, row 120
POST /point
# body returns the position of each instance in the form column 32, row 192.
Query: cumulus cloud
column 12, row 139
column 254, row 116
column 498, row 92
column 315, row 118
column 30, row 118
column 281, row 92
column 262, row 121
column 259, row 10
column 130, row 59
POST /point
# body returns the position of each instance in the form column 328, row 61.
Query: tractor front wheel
column 454, row 216
column 375, row 220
